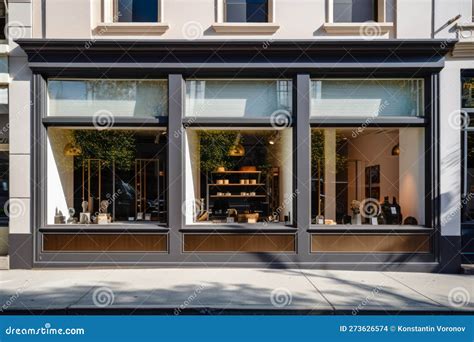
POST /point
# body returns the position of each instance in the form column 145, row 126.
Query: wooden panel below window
column 370, row 243
column 250, row 243
column 83, row 242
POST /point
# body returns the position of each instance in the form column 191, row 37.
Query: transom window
column 355, row 11
column 250, row 11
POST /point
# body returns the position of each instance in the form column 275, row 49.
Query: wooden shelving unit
column 212, row 187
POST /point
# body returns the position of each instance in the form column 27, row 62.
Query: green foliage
column 214, row 149
column 107, row 145
column 317, row 151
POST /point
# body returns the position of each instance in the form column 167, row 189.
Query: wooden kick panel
column 376, row 243
column 130, row 242
column 250, row 243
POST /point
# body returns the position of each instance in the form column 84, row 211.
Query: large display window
column 371, row 176
column 238, row 176
column 106, row 177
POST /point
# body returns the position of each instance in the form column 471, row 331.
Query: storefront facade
column 314, row 165
column 239, row 151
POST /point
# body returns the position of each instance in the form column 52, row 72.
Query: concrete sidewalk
column 214, row 291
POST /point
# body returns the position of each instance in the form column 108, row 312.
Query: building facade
column 317, row 133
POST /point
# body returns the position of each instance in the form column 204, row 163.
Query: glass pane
column 115, row 98
column 367, row 98
column 106, row 176
column 367, row 176
column 354, row 11
column 238, row 98
column 467, row 92
column 250, row 11
column 242, row 176
column 133, row 11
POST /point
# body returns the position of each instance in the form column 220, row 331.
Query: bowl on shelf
column 253, row 181
column 219, row 181
column 220, row 169
column 248, row 168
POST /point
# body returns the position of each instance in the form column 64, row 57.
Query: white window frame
column 381, row 26
column 110, row 26
column 381, row 11
column 110, row 7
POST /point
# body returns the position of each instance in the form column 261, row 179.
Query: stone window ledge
column 131, row 29
column 371, row 29
column 246, row 28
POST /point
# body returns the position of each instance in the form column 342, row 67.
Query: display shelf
column 237, row 172
column 236, row 184
column 237, row 196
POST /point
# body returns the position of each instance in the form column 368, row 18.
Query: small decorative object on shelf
column 410, row 221
column 71, row 219
column 139, row 216
column 226, row 181
column 320, row 219
column 59, row 218
column 220, row 169
column 220, row 181
column 248, row 168
column 84, row 216
column 356, row 217
column 253, row 181
column 103, row 217
column 398, row 219
column 147, row 217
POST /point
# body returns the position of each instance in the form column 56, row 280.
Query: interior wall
column 375, row 148
column 412, row 171
column 60, row 181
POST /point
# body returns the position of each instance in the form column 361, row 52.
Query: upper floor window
column 3, row 19
column 246, row 11
column 136, row 11
column 355, row 11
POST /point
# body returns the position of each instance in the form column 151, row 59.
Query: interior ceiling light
column 71, row 150
column 237, row 150
column 396, row 150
